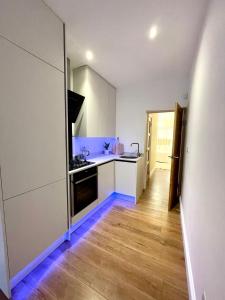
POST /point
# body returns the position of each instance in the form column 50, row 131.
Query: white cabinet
column 129, row 178
column 4, row 273
column 100, row 103
column 106, row 181
column 32, row 131
column 140, row 177
column 34, row 221
column 32, row 121
column 110, row 122
column 34, row 27
column 126, row 177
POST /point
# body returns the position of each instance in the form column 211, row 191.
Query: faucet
column 138, row 153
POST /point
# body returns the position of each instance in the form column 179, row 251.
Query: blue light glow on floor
column 24, row 288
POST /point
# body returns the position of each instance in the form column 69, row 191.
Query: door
column 175, row 158
column 148, row 147
column 84, row 189
column 32, row 122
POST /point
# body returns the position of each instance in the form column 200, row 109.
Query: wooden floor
column 123, row 252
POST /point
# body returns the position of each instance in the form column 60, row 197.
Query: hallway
column 122, row 252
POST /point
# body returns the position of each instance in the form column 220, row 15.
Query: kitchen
column 34, row 187
column 75, row 94
column 94, row 174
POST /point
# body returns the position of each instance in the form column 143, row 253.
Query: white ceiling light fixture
column 153, row 32
column 89, row 55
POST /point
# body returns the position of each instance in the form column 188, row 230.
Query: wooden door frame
column 148, row 112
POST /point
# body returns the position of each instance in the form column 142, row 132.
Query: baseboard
column 124, row 197
column 190, row 279
column 152, row 172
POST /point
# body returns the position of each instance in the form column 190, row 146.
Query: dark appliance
column 83, row 188
column 79, row 161
column 75, row 102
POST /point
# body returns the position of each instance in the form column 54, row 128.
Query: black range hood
column 75, row 102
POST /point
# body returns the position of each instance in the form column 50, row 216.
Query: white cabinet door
column 4, row 275
column 106, row 181
column 111, row 112
column 34, row 27
column 34, row 221
column 100, row 100
column 126, row 178
column 140, row 177
column 32, row 121
column 96, row 105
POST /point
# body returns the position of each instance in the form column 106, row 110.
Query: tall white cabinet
column 32, row 130
column 99, row 118
column 32, row 122
column 4, row 272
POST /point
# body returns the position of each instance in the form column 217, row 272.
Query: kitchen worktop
column 102, row 159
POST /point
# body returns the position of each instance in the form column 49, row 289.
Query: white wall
column 134, row 100
column 203, row 194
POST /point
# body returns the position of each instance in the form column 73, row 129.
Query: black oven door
column 84, row 189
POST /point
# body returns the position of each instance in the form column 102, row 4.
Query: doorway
column 164, row 151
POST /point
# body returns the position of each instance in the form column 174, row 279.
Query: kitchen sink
column 130, row 155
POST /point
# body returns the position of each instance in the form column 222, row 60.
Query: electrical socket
column 204, row 296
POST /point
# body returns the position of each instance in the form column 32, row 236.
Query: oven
column 83, row 189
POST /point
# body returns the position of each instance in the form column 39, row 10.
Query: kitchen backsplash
column 94, row 144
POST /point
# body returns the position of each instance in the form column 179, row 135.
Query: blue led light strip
column 29, row 278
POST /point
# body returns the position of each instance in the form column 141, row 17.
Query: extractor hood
column 75, row 102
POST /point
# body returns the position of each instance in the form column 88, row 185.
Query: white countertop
column 101, row 159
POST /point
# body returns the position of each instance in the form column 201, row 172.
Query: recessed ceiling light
column 89, row 55
column 153, row 32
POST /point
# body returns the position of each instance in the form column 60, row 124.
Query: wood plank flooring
column 124, row 251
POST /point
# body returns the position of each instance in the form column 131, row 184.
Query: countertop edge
column 102, row 161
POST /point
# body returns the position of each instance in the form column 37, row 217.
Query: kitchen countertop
column 102, row 159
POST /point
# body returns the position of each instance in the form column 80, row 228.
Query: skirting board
column 152, row 172
column 124, row 197
column 190, row 279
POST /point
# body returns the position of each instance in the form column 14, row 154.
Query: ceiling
column 116, row 32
